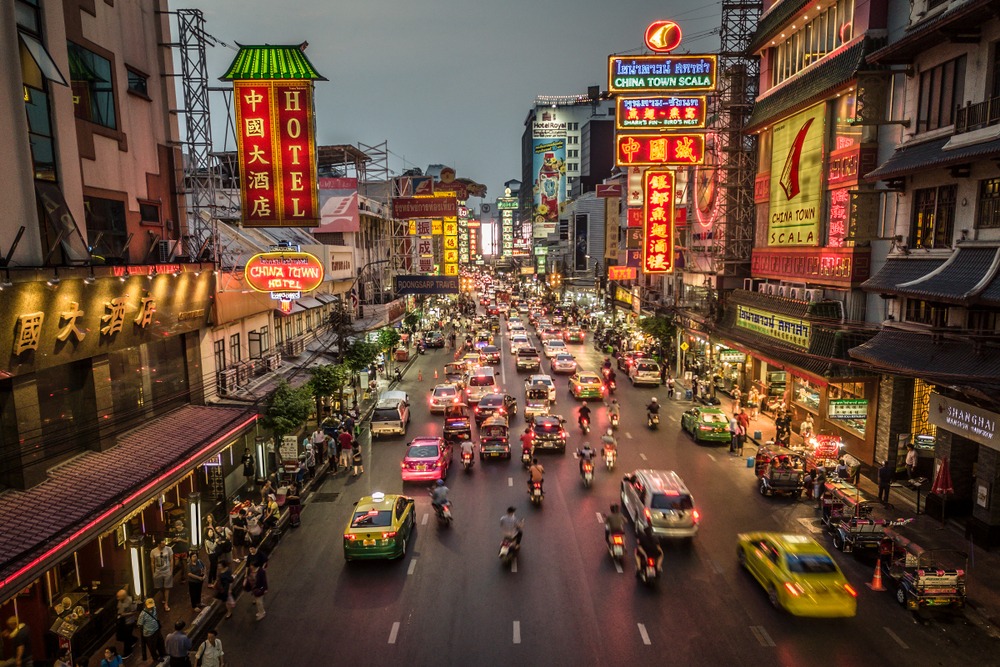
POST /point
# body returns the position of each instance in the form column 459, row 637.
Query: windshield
column 422, row 452
column 527, row 352
column 385, row 415
column 714, row 418
column 548, row 427
column 491, row 402
column 371, row 518
column 445, row 391
column 811, row 564
column 564, row 357
column 481, row 381
column 647, row 366
column 662, row 501
column 556, row 343
column 589, row 380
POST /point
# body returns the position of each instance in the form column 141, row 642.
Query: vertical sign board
column 548, row 137
column 658, row 221
column 797, row 147
column 612, row 226
column 449, row 241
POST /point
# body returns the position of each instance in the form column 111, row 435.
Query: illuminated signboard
column 405, row 208
column 796, row 189
column 663, row 36
column 659, row 113
column 780, row 327
column 284, row 272
column 622, row 273
column 658, row 221
column 659, row 149
column 661, row 74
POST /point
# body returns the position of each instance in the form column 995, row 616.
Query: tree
column 287, row 410
column 360, row 354
column 328, row 380
column 411, row 321
column 388, row 339
column 661, row 329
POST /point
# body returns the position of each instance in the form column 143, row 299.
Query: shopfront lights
column 135, row 551
column 194, row 519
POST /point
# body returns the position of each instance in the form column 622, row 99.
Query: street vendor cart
column 779, row 470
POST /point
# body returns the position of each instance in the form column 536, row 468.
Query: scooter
column 653, row 420
column 647, row 573
column 610, row 456
column 585, row 425
column 614, row 421
column 399, row 374
column 443, row 513
column 421, row 348
column 468, row 460
column 508, row 550
column 612, row 385
column 536, row 493
column 526, row 458
column 587, row 473
column 616, row 546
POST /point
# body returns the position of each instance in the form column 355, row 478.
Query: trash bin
column 688, row 395
column 750, row 462
column 757, row 435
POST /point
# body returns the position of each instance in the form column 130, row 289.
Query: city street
column 450, row 601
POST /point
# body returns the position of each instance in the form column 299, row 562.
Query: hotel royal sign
column 275, row 135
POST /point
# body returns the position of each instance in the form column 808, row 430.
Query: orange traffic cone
column 420, row 376
column 435, row 374
column 876, row 583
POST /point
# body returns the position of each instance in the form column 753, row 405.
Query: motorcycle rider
column 585, row 454
column 610, row 443
column 439, row 496
column 610, row 377
column 607, row 365
column 614, row 410
column 512, row 526
column 527, row 442
column 467, row 448
column 583, row 413
column 536, row 473
column 614, row 523
column 652, row 408
column 646, row 544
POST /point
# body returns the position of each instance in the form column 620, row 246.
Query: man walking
column 178, row 645
column 884, row 482
column 125, row 620
column 149, row 627
column 162, row 561
column 345, row 438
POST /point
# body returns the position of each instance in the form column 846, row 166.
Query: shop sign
column 662, row 36
column 847, row 408
column 659, row 149
column 732, row 357
column 276, row 148
column 283, row 272
column 633, row 238
column 507, row 204
column 634, row 216
column 406, row 208
column 623, row 296
column 425, row 285
column 634, row 197
column 622, row 273
column 661, row 74
column 633, row 258
column 825, row 266
column 289, row 448
column 658, row 221
column 974, row 423
column 786, row 329
column 762, row 188
column 796, row 189
column 660, row 113
column 612, row 225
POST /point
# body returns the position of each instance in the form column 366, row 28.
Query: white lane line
column 423, row 519
column 709, row 456
column 672, row 418
column 600, row 517
column 895, row 637
column 394, row 632
column 628, row 435
column 761, row 634
column 642, row 456
column 618, row 568
column 513, row 566
column 715, row 566
column 510, row 481
column 644, row 634
column 413, row 566
column 517, row 632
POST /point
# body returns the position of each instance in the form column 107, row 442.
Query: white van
column 482, row 380
column 391, row 414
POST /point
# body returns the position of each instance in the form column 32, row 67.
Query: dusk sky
column 444, row 81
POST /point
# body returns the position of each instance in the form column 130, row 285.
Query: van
column 660, row 499
column 391, row 414
column 482, row 381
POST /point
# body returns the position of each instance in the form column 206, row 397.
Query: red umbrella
column 942, row 486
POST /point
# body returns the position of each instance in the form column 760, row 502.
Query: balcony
column 977, row 116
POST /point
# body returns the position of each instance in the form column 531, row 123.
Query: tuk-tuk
column 858, row 529
column 454, row 373
column 779, row 470
column 457, row 423
column 495, row 324
column 924, row 577
column 494, row 438
column 536, row 401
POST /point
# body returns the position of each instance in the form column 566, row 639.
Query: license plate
column 421, row 468
column 368, row 543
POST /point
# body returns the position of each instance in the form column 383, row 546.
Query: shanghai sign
column 284, row 272
column 660, row 113
column 661, row 74
column 659, row 149
column 658, row 221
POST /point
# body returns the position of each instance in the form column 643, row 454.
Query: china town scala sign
column 284, row 272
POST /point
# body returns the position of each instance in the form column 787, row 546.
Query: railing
column 976, row 116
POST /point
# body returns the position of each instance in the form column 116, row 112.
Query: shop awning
column 326, row 298
column 92, row 493
column 897, row 271
column 960, row 279
column 909, row 159
column 309, row 302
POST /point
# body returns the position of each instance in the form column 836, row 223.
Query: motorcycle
column 443, row 513
column 610, row 456
column 587, row 473
column 616, row 546
column 526, row 458
column 614, row 420
column 536, row 493
column 468, row 460
column 647, row 573
column 652, row 420
column 421, row 348
column 612, row 385
column 585, row 425
column 508, row 550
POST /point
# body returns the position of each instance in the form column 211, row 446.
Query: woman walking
column 224, row 588
column 256, row 584
column 196, row 579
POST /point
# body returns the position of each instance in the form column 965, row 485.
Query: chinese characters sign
column 659, row 113
column 277, row 153
column 780, row 327
column 658, row 221
column 663, row 74
column 659, row 149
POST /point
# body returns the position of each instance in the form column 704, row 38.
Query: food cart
column 822, row 450
column 494, row 438
column 779, row 470
column 924, row 576
column 402, row 354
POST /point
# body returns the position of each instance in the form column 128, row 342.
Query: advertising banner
column 847, row 408
column 605, row 190
column 405, row 208
column 633, row 237
column 659, row 149
column 634, row 187
column 622, row 273
column 658, row 221
column 580, row 252
column 975, row 423
column 283, row 272
column 796, row 191
column 276, row 146
column 612, row 225
column 780, row 327
column 549, row 173
column 660, row 113
column 661, row 73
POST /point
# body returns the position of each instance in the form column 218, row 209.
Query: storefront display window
column 847, row 406
column 805, row 394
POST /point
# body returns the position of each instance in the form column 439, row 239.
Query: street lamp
column 261, row 460
column 194, row 519
column 135, row 550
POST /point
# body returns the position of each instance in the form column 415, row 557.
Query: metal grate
column 323, row 497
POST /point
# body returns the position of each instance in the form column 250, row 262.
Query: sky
column 444, row 81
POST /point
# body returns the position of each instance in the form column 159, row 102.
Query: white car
column 442, row 396
column 553, row 347
column 644, row 371
column 564, row 363
column 514, row 320
column 542, row 379
column 517, row 341
column 518, row 328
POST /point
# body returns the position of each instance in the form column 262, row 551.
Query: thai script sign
column 847, row 408
column 659, row 113
column 786, row 329
column 622, row 273
column 663, row 74
column 405, row 208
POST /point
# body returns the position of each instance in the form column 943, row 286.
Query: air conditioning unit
column 272, row 362
column 812, row 295
column 243, row 374
column 167, row 251
column 225, row 381
column 772, row 289
column 795, row 293
column 783, row 290
column 763, row 288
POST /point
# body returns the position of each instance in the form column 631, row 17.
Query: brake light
column 389, row 535
column 793, row 589
column 350, row 537
column 695, row 516
column 651, row 562
column 648, row 514
column 617, row 539
column 705, row 428
column 850, row 590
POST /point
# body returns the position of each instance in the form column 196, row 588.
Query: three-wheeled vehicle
column 924, row 577
column 857, row 528
column 454, row 373
column 494, row 438
column 779, row 470
column 536, row 401
column 457, row 422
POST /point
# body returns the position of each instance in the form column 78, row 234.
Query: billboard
column 581, row 223
column 283, row 272
column 659, row 149
column 622, row 273
column 405, row 208
column 276, row 148
column 425, row 285
column 548, row 140
column 796, row 194
column 660, row 113
column 658, row 221
column 670, row 74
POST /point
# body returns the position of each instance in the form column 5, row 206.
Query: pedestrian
column 884, row 482
column 248, row 468
column 311, row 461
column 126, row 613
column 356, row 459
column 807, row 482
column 256, row 585
column 211, row 545
column 670, row 385
column 318, row 439
column 178, row 646
column 842, row 471
column 19, row 640
column 149, row 631
column 111, row 658
column 224, row 587
column 210, row 653
column 240, row 525
column 162, row 561
column 734, row 432
column 744, row 421
column 737, row 395
column 806, row 427
column 753, row 402
column 663, row 372
column 257, row 558
column 266, row 490
column 300, row 474
column 346, row 438
column 196, row 579
column 819, row 480
column 911, row 461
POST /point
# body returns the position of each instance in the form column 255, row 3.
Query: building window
column 988, row 215
column 219, row 348
column 942, row 89
column 265, row 340
column 926, row 312
column 278, row 340
column 93, row 86
column 43, row 154
column 234, row 348
column 106, row 217
column 27, row 14
column 137, row 82
column 982, row 320
column 828, row 31
column 572, row 166
column 149, row 212
column 253, row 343
column 933, row 217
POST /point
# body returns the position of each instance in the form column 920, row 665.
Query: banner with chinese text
column 658, row 221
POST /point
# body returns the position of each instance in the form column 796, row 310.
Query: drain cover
column 323, row 497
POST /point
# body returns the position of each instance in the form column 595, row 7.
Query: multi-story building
column 938, row 293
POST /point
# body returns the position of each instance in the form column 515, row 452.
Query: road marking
column 895, row 637
column 642, row 456
column 628, row 435
column 517, row 632
column 423, row 519
column 709, row 456
column 761, row 634
column 394, row 632
column 513, row 566
column 715, row 566
column 672, row 418
column 413, row 566
column 600, row 517
column 618, row 568
column 644, row 634
column 510, row 481
column 812, row 525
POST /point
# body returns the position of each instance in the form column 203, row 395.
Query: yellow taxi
column 798, row 574
column 381, row 526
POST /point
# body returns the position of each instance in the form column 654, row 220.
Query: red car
column 427, row 459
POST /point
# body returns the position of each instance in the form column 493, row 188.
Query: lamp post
column 194, row 520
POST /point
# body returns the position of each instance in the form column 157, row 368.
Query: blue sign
column 426, row 285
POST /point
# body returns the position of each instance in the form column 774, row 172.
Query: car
column 482, row 380
column 706, row 424
column 660, row 500
column 499, row 405
column 564, row 363
column 518, row 328
column 492, row 353
column 517, row 341
column 644, row 371
column 457, row 423
column 550, row 333
column 584, row 384
column 542, row 379
column 514, row 320
column 554, row 346
column 473, row 359
column 528, row 359
column 391, row 414
column 548, row 432
column 433, row 339
column 483, row 338
column 574, row 335
column 380, row 526
column 444, row 395
column 427, row 459
column 798, row 574
column 626, row 359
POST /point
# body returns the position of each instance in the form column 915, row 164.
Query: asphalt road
column 450, row 602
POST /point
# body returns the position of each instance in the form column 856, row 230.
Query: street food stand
column 779, row 470
column 925, row 576
column 822, row 450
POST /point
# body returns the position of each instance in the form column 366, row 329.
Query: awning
column 92, row 493
column 966, row 273
column 773, row 20
column 959, row 18
column 326, row 298
column 911, row 158
column 900, row 270
column 309, row 302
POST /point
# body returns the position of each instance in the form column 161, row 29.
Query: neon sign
column 663, row 36
column 662, row 74
column 658, row 221
column 659, row 149
column 658, row 113
column 284, row 272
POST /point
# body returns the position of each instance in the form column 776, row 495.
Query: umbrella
column 942, row 485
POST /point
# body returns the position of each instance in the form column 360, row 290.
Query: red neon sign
column 659, row 149
column 661, row 112
column 658, row 221
column 663, row 36
column 284, row 272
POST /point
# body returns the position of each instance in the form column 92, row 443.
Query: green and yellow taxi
column 798, row 574
column 706, row 424
column 584, row 384
column 381, row 526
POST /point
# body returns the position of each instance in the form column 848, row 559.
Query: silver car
column 661, row 500
column 564, row 363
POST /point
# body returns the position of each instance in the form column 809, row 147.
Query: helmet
column 440, row 482
column 654, row 399
column 584, row 404
column 611, row 431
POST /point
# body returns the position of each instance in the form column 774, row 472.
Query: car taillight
column 388, row 535
column 850, row 590
column 649, row 515
column 705, row 428
column 695, row 516
column 617, row 539
column 793, row 589
column 402, row 464
column 350, row 537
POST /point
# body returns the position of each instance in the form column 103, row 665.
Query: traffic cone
column 435, row 374
column 420, row 376
column 876, row 583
